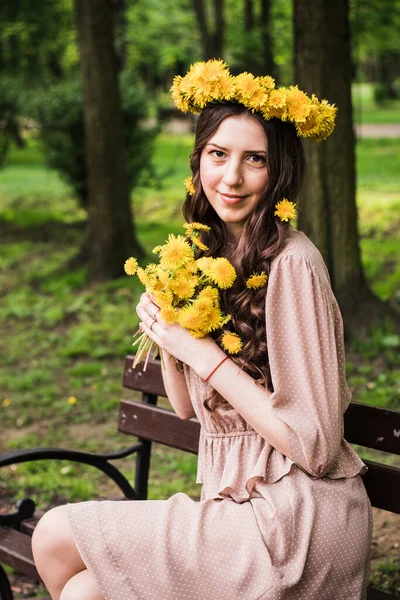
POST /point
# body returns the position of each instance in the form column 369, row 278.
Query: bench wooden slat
column 149, row 381
column 373, row 427
column 373, row 594
column 159, row 425
column 16, row 551
column 28, row 525
column 382, row 483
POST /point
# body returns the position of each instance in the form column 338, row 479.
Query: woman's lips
column 230, row 199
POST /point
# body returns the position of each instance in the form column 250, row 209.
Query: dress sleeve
column 304, row 365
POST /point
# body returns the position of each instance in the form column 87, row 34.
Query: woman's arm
column 176, row 387
column 250, row 399
column 202, row 355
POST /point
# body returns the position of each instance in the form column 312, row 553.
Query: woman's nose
column 233, row 175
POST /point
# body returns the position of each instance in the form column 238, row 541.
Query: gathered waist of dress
column 225, row 434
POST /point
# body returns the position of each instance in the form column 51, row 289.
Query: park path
column 368, row 130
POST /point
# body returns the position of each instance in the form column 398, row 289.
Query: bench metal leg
column 5, row 588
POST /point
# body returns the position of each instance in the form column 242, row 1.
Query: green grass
column 366, row 110
column 61, row 338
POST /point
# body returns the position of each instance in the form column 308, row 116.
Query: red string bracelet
column 217, row 367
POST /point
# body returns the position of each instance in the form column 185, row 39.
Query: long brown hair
column 263, row 237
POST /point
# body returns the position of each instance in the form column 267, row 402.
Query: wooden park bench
column 364, row 425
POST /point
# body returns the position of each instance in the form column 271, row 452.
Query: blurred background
column 92, row 160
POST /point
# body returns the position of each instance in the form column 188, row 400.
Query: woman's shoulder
column 300, row 252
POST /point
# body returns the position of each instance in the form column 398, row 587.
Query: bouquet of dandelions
column 186, row 289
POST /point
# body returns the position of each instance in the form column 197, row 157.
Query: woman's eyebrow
column 245, row 151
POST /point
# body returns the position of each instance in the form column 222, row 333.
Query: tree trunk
column 111, row 237
column 212, row 41
column 269, row 67
column 219, row 33
column 199, row 9
column 248, row 16
column 327, row 207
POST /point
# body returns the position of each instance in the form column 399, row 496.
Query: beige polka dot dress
column 266, row 527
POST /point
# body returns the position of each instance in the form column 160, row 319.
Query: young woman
column 283, row 513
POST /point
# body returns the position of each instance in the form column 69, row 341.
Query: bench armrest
column 99, row 461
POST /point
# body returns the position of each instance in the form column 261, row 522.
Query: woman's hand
column 174, row 339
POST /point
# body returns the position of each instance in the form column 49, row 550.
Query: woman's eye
column 218, row 153
column 257, row 158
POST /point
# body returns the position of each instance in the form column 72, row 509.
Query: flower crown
column 211, row 82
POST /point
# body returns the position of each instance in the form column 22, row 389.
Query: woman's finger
column 149, row 305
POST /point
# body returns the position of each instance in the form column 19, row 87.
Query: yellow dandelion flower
column 157, row 249
column 320, row 121
column 143, row 276
column 210, row 293
column 226, row 88
column 214, row 319
column 178, row 94
column 130, row 266
column 276, row 104
column 204, row 264
column 257, row 281
column 190, row 318
column 169, row 315
column 299, row 105
column 197, row 242
column 72, row 400
column 208, row 81
column 249, row 91
column 267, row 82
column 191, row 267
column 163, row 299
column 190, row 228
column 182, row 288
column 214, row 69
column 203, row 304
column 225, row 319
column 176, row 252
column 155, row 285
column 189, row 185
column 285, row 210
column 231, row 342
column 151, row 268
column 163, row 276
column 6, row 402
column 222, row 273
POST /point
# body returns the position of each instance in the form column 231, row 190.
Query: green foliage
column 37, row 41
column 11, row 98
column 245, row 49
column 386, row 577
column 376, row 45
column 161, row 42
column 59, row 113
column 375, row 26
column 367, row 110
column 379, row 210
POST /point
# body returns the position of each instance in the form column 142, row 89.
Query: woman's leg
column 82, row 586
column 56, row 556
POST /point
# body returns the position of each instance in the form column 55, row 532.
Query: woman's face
column 233, row 170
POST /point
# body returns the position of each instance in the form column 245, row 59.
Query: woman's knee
column 52, row 539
